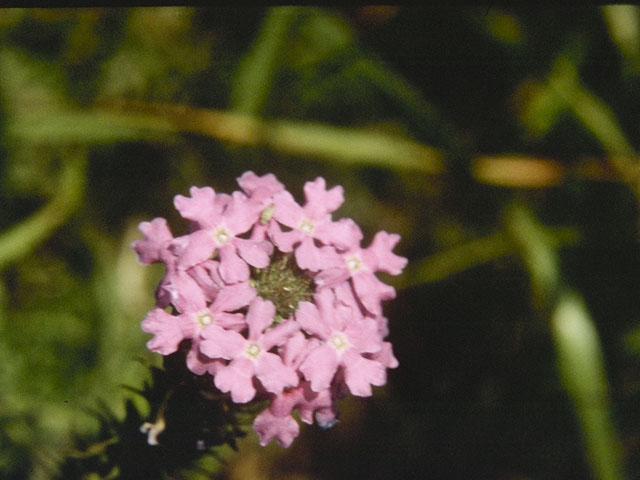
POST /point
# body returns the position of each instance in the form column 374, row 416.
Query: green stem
column 352, row 146
column 473, row 253
column 20, row 240
column 581, row 367
column 596, row 116
column 579, row 353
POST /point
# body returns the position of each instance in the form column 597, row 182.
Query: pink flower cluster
column 278, row 301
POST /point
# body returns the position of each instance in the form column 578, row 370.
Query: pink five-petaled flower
column 361, row 265
column 347, row 336
column 250, row 357
column 219, row 219
column 313, row 221
column 194, row 314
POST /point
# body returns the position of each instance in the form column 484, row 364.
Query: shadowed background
column 499, row 142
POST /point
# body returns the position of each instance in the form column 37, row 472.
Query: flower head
column 274, row 300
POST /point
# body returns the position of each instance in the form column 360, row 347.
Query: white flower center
column 204, row 319
column 339, row 342
column 354, row 263
column 306, row 226
column 222, row 236
column 252, row 351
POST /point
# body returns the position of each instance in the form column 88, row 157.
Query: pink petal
column 360, row 373
column 200, row 207
column 343, row 234
column 221, row 343
column 200, row 364
column 319, row 200
column 284, row 403
column 232, row 268
column 310, row 257
column 284, row 240
column 279, row 334
column 379, row 255
column 156, row 230
column 192, row 249
column 237, row 378
column 320, row 367
column 269, row 426
column 333, row 316
column 157, row 237
column 313, row 401
column 185, row 294
column 273, row 374
column 233, row 297
column 287, row 211
column 310, row 320
column 344, row 294
column 327, row 417
column 332, row 276
column 385, row 356
column 259, row 188
column 259, row 316
column 207, row 277
column 364, row 336
column 342, row 317
column 371, row 291
column 230, row 321
column 240, row 214
column 255, row 254
column 294, row 349
column 166, row 329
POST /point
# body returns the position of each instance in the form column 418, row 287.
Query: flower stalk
column 580, row 359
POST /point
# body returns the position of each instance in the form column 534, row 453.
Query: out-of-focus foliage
column 499, row 142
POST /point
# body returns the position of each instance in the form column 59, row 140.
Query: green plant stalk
column 471, row 254
column 350, row 146
column 581, row 368
column 623, row 23
column 21, row 239
column 579, row 354
column 596, row 116
column 255, row 75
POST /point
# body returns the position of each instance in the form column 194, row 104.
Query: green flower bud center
column 283, row 283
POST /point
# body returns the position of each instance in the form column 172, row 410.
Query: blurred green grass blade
column 254, row 77
column 565, row 92
column 353, row 147
column 21, row 239
column 623, row 22
column 580, row 359
column 475, row 252
column 592, row 112
column 86, row 127
column 581, row 367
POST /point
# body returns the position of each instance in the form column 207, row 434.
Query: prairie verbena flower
column 276, row 301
